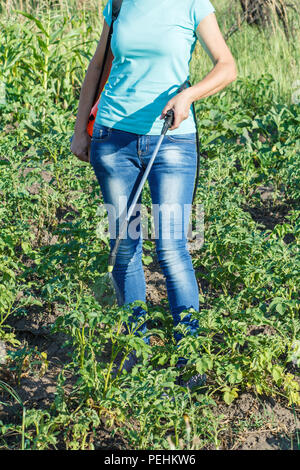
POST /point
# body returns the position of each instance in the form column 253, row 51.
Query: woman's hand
column 180, row 104
column 80, row 146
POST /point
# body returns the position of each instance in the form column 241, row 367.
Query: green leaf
column 31, row 17
column 277, row 373
column 203, row 364
column 147, row 260
column 230, row 395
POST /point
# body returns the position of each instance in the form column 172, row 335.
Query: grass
column 51, row 256
column 257, row 51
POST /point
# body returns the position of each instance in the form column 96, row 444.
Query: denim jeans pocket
column 182, row 138
column 101, row 133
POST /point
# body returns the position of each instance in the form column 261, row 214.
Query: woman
column 152, row 45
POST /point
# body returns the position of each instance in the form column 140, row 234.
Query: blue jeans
column 119, row 158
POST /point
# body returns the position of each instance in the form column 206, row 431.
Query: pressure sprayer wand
column 169, row 118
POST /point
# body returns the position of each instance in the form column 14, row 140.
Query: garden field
column 58, row 340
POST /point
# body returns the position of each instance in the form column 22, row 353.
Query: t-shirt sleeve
column 107, row 12
column 202, row 8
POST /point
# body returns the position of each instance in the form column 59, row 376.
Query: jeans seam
column 147, row 145
column 142, row 161
column 140, row 152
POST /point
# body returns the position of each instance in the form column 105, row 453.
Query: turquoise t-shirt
column 152, row 44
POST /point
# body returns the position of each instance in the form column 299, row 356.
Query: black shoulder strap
column 116, row 7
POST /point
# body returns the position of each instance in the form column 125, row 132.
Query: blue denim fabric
column 119, row 158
